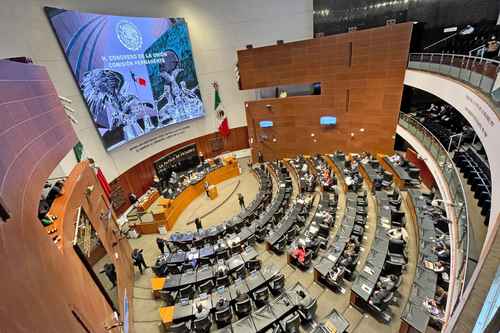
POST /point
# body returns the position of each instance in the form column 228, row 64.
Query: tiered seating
column 341, row 258
column 477, row 173
column 374, row 288
column 429, row 287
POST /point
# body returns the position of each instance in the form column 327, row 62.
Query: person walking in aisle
column 241, row 200
column 161, row 244
column 138, row 259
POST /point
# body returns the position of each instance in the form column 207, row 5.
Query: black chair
column 240, row 272
column 223, row 317
column 253, row 265
column 222, row 254
column 187, row 292
column 251, row 240
column 173, row 269
column 186, row 266
column 205, row 261
column 184, row 327
column 198, row 243
column 236, row 248
column 261, row 296
column 280, row 246
column 308, row 312
column 291, row 323
column 277, row 284
column 206, row 287
column 243, row 308
column 223, row 281
column 202, row 325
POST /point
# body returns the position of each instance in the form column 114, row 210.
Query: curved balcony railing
column 480, row 73
column 456, row 188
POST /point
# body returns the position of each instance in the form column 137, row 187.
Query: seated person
column 439, row 266
column 299, row 253
column 398, row 234
column 221, row 269
column 347, row 261
column 335, row 275
column 378, row 296
column 387, row 282
column 305, row 300
column 221, row 304
column 441, row 297
column 201, row 311
column 240, row 297
column 433, row 309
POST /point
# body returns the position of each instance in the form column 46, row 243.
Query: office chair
column 397, row 247
column 198, row 243
column 291, row 323
column 223, row 317
column 184, row 327
column 186, row 292
column 251, row 240
column 205, row 261
column 291, row 234
column 380, row 312
column 222, row 254
column 280, row 246
column 243, row 308
column 308, row 312
column 236, row 248
column 277, row 284
column 392, row 267
column 253, row 265
column 186, row 266
column 240, row 272
column 167, row 297
column 261, row 296
column 223, row 281
column 202, row 325
column 173, row 269
column 206, row 287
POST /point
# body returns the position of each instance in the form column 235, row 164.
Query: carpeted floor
column 146, row 308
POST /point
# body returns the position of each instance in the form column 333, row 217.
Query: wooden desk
column 401, row 183
column 157, row 285
column 367, row 179
column 167, row 316
column 212, row 192
column 172, row 209
column 338, row 173
column 146, row 201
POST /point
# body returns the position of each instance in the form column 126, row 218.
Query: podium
column 212, row 192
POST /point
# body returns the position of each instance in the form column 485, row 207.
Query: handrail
column 463, row 210
column 481, row 73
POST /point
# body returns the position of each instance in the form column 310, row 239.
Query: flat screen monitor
column 266, row 124
column 328, row 120
column 136, row 74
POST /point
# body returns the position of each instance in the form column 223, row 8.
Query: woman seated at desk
column 398, row 234
column 435, row 312
column 299, row 253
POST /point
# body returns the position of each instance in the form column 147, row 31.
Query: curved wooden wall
column 139, row 178
column 40, row 284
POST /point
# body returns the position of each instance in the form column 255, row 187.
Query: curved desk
column 169, row 210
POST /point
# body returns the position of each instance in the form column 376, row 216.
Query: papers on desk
column 332, row 258
column 368, row 270
column 366, row 288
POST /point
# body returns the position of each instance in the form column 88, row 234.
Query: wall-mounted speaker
column 249, row 46
column 280, row 42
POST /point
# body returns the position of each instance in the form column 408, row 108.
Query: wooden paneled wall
column 40, row 284
column 361, row 75
column 140, row 177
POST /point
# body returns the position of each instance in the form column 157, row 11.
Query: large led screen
column 136, row 74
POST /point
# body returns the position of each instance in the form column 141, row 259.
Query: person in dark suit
column 241, row 200
column 197, row 223
column 109, row 270
column 161, row 244
column 138, row 259
column 378, row 296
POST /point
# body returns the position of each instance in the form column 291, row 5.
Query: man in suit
column 109, row 270
column 161, row 244
column 241, row 200
column 197, row 222
column 378, row 296
column 138, row 259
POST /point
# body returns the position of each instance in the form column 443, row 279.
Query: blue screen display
column 328, row 120
column 136, row 74
column 266, row 124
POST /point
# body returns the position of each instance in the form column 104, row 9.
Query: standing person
column 197, row 222
column 241, row 200
column 109, row 270
column 161, row 244
column 260, row 158
column 206, row 186
column 138, row 259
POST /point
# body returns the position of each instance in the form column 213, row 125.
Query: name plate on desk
column 366, row 288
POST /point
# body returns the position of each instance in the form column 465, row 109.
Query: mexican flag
column 221, row 115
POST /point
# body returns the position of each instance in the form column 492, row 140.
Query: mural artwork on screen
column 136, row 74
